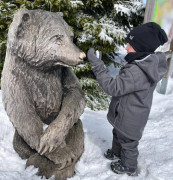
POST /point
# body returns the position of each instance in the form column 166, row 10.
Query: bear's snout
column 82, row 55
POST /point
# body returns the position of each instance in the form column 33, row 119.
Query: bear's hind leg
column 61, row 162
column 47, row 168
column 21, row 147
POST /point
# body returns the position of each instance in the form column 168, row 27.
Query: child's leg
column 116, row 146
column 129, row 151
column 115, row 152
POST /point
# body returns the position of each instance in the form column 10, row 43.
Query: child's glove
column 93, row 58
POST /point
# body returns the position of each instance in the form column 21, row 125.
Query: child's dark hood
column 154, row 66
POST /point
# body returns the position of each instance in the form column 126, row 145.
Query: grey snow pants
column 126, row 148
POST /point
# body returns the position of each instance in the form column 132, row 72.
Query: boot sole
column 114, row 158
column 129, row 174
column 125, row 172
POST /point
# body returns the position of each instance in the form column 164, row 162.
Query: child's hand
column 93, row 57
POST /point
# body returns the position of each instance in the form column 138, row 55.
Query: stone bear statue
column 41, row 94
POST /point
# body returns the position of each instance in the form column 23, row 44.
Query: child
column 132, row 92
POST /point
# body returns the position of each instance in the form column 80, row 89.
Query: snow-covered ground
column 155, row 161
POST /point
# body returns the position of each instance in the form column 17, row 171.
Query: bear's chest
column 47, row 93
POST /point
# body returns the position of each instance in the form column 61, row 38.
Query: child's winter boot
column 119, row 168
column 109, row 154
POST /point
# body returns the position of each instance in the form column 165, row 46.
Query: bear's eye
column 25, row 17
column 58, row 39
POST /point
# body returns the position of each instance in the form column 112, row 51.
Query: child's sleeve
column 121, row 85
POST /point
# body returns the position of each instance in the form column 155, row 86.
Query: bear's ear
column 24, row 23
column 61, row 14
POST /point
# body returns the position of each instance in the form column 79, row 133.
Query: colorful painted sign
column 163, row 15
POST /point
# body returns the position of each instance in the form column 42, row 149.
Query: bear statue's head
column 42, row 39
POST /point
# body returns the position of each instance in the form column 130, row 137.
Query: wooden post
column 149, row 10
column 164, row 81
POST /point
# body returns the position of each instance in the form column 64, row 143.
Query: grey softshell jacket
column 132, row 92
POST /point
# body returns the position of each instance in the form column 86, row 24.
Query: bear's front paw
column 49, row 141
column 62, row 157
column 67, row 158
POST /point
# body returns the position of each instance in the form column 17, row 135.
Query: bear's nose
column 82, row 55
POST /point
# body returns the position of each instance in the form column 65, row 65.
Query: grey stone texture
column 39, row 88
